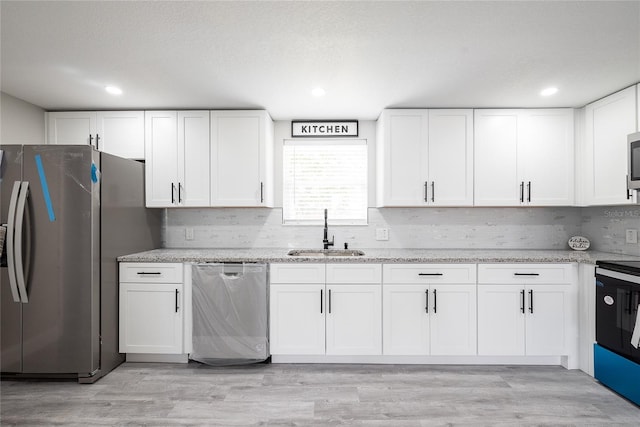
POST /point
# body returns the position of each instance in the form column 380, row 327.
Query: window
column 325, row 174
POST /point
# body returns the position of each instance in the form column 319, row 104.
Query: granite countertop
column 272, row 255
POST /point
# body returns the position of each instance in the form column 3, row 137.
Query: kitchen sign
column 319, row 128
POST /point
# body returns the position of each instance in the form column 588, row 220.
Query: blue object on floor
column 618, row 373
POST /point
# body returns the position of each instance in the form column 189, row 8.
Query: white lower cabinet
column 296, row 321
column 424, row 313
column 525, row 310
column 152, row 309
column 332, row 309
column 354, row 319
column 429, row 309
column 152, row 318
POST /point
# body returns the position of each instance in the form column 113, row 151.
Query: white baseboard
column 424, row 360
column 157, row 358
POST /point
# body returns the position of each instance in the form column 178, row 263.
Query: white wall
column 20, row 121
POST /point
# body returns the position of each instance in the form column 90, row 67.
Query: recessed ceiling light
column 113, row 90
column 549, row 91
column 318, row 92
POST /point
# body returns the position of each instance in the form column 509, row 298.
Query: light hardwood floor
column 319, row 395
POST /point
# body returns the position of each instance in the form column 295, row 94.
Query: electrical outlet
column 631, row 236
column 382, row 234
column 188, row 234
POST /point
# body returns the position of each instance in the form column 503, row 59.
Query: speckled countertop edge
column 273, row 255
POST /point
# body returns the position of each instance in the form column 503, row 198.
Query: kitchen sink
column 325, row 252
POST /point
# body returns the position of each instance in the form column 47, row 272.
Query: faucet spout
column 325, row 241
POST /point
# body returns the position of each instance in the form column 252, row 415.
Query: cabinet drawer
column 525, row 273
column 354, row 273
column 429, row 273
column 297, row 273
column 151, row 272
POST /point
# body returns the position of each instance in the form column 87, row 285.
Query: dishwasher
column 230, row 323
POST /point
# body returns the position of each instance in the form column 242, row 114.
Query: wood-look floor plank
column 137, row 394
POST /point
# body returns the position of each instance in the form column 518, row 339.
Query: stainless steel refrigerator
column 69, row 211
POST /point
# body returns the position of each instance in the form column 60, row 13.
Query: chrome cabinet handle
column 149, row 273
column 433, row 191
column 97, row 142
column 522, row 192
column 531, row 301
column 173, row 196
column 522, row 301
column 261, row 192
column 526, row 274
column 320, row 301
column 180, row 192
column 430, row 274
column 177, row 307
column 426, row 191
column 329, row 301
column 435, row 301
column 529, row 192
column 91, row 140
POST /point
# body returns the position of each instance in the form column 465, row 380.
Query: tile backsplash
column 482, row 228
column 438, row 228
column 606, row 226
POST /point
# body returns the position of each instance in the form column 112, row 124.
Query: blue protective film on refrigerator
column 45, row 188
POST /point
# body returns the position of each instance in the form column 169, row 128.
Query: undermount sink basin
column 325, row 252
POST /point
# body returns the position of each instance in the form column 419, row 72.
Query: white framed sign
column 322, row 128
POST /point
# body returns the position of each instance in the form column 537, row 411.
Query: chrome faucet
column 325, row 240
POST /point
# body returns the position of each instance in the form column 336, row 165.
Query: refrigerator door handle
column 11, row 229
column 20, row 212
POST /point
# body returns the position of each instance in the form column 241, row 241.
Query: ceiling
column 367, row 55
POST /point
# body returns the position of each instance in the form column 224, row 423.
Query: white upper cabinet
column 524, row 157
column 450, row 158
column 120, row 133
column 241, row 158
column 71, row 127
column 177, row 158
column 546, row 157
column 161, row 155
column 608, row 121
column 425, row 158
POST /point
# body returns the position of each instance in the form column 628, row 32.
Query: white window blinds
column 325, row 174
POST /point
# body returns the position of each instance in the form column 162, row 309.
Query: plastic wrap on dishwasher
column 230, row 324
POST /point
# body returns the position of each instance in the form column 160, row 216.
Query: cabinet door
column 405, row 316
column 354, row 323
column 546, row 320
column 193, row 158
column 450, row 158
column 121, row 133
column 608, row 122
column 151, row 318
column 402, row 158
column 297, row 319
column 71, row 127
column 453, row 320
column 496, row 153
column 500, row 320
column 161, row 155
column 546, row 156
column 238, row 154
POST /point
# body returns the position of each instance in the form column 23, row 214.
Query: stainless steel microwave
column 634, row 161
